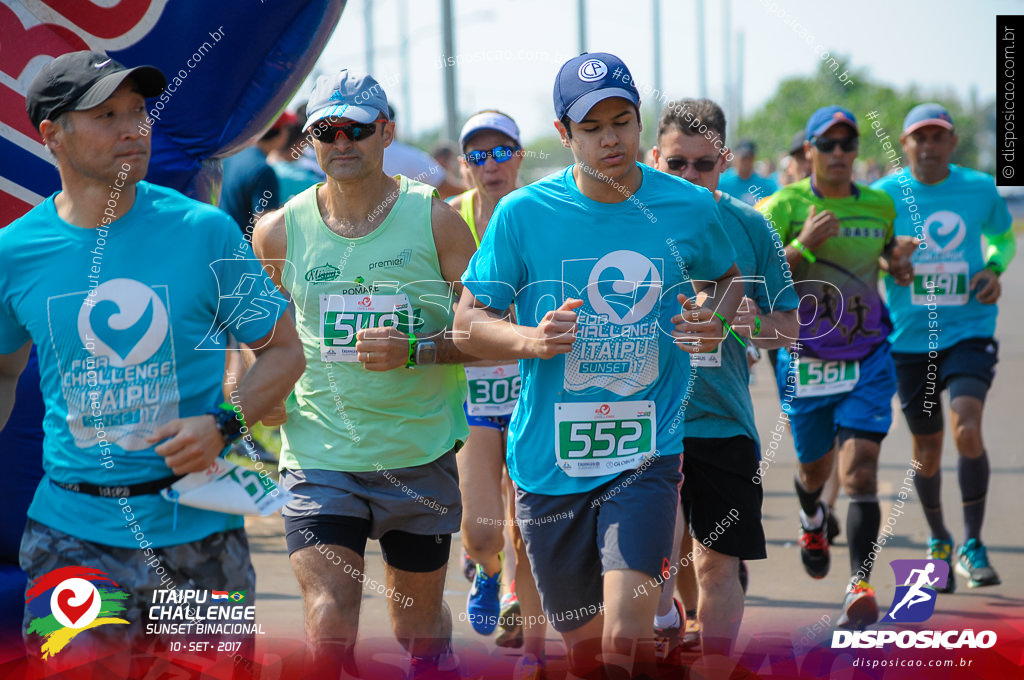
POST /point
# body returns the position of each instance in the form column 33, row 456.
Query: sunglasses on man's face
column 500, row 154
column 827, row 145
column 703, row 165
column 354, row 132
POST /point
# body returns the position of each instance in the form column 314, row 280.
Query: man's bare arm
column 490, row 334
column 270, row 244
column 455, row 247
column 11, row 366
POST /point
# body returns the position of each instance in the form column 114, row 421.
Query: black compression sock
column 862, row 522
column 808, row 499
column 974, row 474
column 929, row 491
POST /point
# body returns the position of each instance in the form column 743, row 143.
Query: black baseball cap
column 77, row 81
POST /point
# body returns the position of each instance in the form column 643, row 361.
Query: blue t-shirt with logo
column 720, row 405
column 627, row 261
column 939, row 310
column 129, row 320
column 750, row 190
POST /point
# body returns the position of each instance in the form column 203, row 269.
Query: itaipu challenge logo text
column 70, row 600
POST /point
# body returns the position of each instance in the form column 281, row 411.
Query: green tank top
column 341, row 416
column 466, row 210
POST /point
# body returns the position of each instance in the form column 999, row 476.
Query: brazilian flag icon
column 237, row 595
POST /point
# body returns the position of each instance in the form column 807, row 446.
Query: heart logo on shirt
column 122, row 341
column 944, row 230
column 123, row 320
column 625, row 286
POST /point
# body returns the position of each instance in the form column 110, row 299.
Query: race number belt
column 600, row 438
column 342, row 316
column 942, row 283
column 707, row 359
column 818, row 378
column 127, row 491
column 493, row 390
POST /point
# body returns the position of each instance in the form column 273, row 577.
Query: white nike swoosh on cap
column 101, row 64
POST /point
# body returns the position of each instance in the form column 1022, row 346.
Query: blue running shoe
column 939, row 549
column 483, row 605
column 972, row 564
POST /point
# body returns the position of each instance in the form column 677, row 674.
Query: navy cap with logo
column 77, row 81
column 927, row 114
column 826, row 117
column 589, row 78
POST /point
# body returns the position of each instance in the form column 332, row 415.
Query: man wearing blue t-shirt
column 598, row 259
column 130, row 340
column 740, row 181
column 720, row 463
column 944, row 323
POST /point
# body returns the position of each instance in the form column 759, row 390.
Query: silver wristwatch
column 426, row 352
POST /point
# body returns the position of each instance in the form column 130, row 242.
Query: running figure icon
column 916, row 594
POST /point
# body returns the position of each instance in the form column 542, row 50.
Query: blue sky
column 509, row 51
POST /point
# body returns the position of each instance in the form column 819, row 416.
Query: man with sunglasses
column 943, row 325
column 492, row 155
column 837, row 381
column 371, row 263
column 598, row 259
column 721, row 449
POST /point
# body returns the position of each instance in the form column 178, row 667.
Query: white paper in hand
column 230, row 488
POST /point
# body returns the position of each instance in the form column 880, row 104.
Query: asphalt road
column 783, row 605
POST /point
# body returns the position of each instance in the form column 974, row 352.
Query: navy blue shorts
column 816, row 420
column 965, row 369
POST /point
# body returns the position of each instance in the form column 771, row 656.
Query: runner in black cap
column 124, row 329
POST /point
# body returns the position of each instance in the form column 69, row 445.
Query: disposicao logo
column 66, row 601
column 914, row 602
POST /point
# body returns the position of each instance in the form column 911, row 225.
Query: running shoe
column 528, row 667
column 831, row 526
column 468, row 567
column 667, row 640
column 939, row 549
column 510, row 621
column 691, row 636
column 442, row 666
column 814, row 548
column 860, row 609
column 972, row 564
column 744, row 576
column 482, row 604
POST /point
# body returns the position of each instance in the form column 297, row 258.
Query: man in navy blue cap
column 836, row 382
column 601, row 260
column 943, row 325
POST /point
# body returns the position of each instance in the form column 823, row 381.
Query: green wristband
column 757, row 326
column 411, row 361
column 804, row 250
column 995, row 266
column 725, row 324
